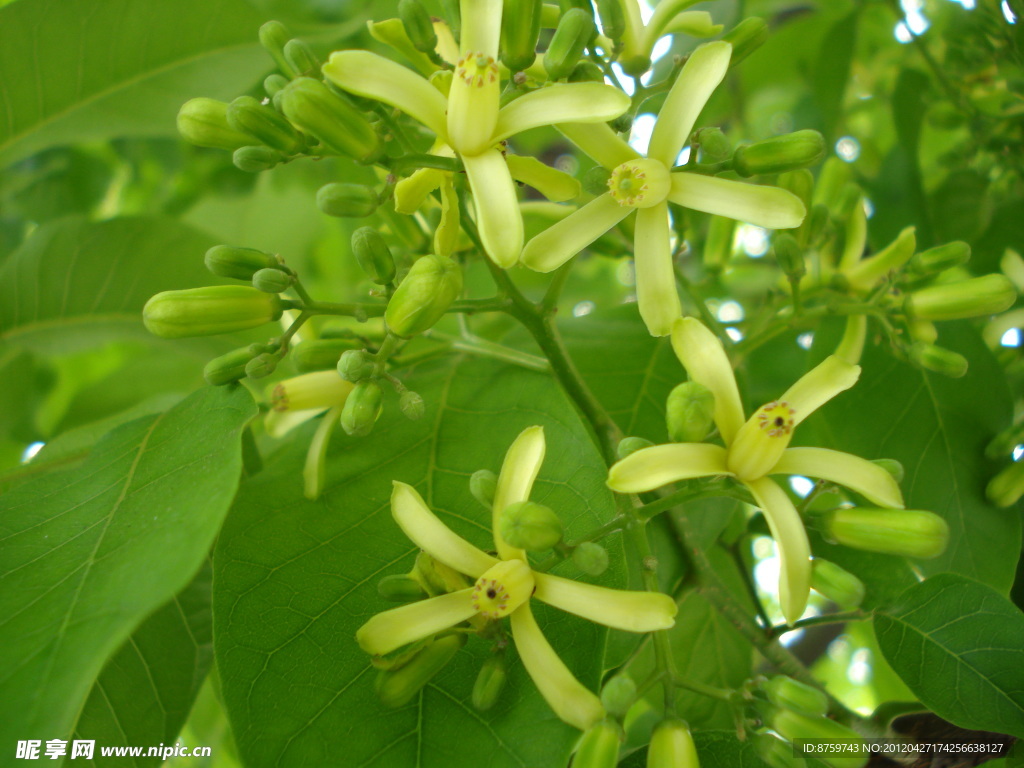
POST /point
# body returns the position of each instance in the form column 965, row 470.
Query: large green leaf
column 959, row 646
column 294, row 579
column 88, row 553
column 78, row 70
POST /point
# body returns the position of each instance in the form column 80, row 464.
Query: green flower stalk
column 646, row 185
column 504, row 586
column 758, row 447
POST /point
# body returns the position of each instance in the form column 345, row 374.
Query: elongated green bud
column 746, row 37
column 832, row 183
column 490, row 681
column 613, row 20
column 599, row 747
column 322, row 354
column 618, row 695
column 520, row 28
column 340, row 127
column 400, row 588
column 1002, row 445
column 396, row 688
column 411, row 405
column 718, row 245
column 574, row 31
column 208, row 311
column 228, row 368
column 362, row 408
column 628, row 445
column 418, row 25
column 689, row 412
column 787, row 693
column 891, row 466
column 779, row 153
column 776, row 752
column 923, row 330
column 672, row 746
column 261, row 366
column 255, row 159
column 793, row 725
column 800, row 182
column 373, row 255
column 1007, row 487
column 272, row 280
column 530, row 526
column 714, row 142
column 237, row 263
column 940, row 258
column 300, row 57
column 790, row 256
column 431, row 286
column 482, row 484
column 864, row 274
column 937, row 359
column 275, row 83
column 586, row 72
column 347, row 201
column 246, row 115
column 355, row 365
column 837, row 584
column 590, row 558
column 204, row 122
column 905, row 532
column 969, row 298
column 273, row 37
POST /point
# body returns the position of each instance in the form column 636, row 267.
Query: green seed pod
column 905, row 532
column 314, row 109
column 837, row 584
column 228, row 368
column 792, row 725
column 209, row 311
column 599, row 747
column 718, row 244
column 272, row 281
column 236, row 262
column 779, row 153
column 255, row 159
column 689, row 412
column 714, row 143
column 613, row 20
column 261, row 366
column 273, row 37
column 590, row 558
column 273, row 84
column 411, row 405
column 746, row 37
column 247, row 115
column 355, row 365
column 520, row 28
column 1007, row 487
column 574, row 31
column 530, row 526
column 618, row 695
column 939, row 259
column 789, row 256
column 373, row 255
column 968, row 298
column 595, row 181
column 362, row 408
column 629, row 445
column 352, row 201
column 400, row 588
column 490, row 681
column 418, row 25
column 396, row 687
column 586, row 72
column 787, row 693
column 936, row 359
column 300, row 58
column 422, row 298
column 482, row 484
column 672, row 746
column 322, row 354
column 204, row 122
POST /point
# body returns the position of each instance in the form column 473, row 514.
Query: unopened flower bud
column 891, row 466
column 362, row 408
column 411, row 405
column 905, row 532
column 520, row 28
column 968, row 298
column 373, row 255
column 255, row 159
column 490, row 681
column 689, row 412
column 204, row 122
column 837, row 584
column 238, row 263
column 793, row 725
column 272, row 280
column 866, row 273
column 261, row 366
column 672, row 746
column 418, row 25
column 1007, row 487
column 482, row 484
column 586, row 72
column 622, row 124
column 322, row 354
column 574, row 31
column 353, row 201
column 247, row 115
column 355, row 365
column 937, row 359
column 787, row 693
column 746, row 37
column 718, row 244
column 228, row 368
column 400, row 588
column 314, row 109
column 300, row 57
column 423, row 297
column 273, row 37
column 779, row 153
column 599, row 747
column 530, row 526
column 396, row 687
column 628, row 445
column 714, row 143
column 595, row 181
column 613, row 19
column 940, row 258
column 618, row 695
column 590, row 558
column 923, row 330
column 208, row 311
column 274, row 83
column 789, row 256
column 317, row 390
column 800, row 182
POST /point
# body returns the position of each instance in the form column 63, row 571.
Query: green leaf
column 77, row 70
column 87, row 554
column 831, row 72
column 721, row 749
column 147, row 688
column 959, row 646
column 294, row 579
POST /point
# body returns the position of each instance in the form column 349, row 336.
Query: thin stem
column 703, row 689
column 358, row 310
column 702, row 309
column 485, row 348
column 708, row 491
column 818, row 621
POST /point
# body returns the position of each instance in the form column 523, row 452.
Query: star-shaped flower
column 647, row 184
column 758, row 447
column 504, row 586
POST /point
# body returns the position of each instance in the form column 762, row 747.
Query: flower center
column 476, row 69
column 776, row 418
column 640, row 183
column 279, row 399
column 502, row 589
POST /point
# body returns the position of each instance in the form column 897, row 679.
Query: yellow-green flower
column 469, row 120
column 504, row 587
column 646, row 185
column 669, row 17
column 757, row 447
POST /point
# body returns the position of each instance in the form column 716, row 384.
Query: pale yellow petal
column 481, row 26
column 617, row 608
column 693, row 23
column 819, row 385
column 554, row 184
column 314, row 470
column 497, row 207
column 564, row 239
column 659, row 465
column 769, row 207
column 599, row 142
column 656, row 293
column 412, row 191
column 866, row 478
column 406, row 624
column 515, row 481
column 565, row 103
column 706, row 362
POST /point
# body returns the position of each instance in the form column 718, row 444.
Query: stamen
column 476, row 69
column 776, row 418
column 639, row 183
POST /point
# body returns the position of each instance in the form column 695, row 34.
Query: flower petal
column 497, row 207
column 481, row 26
column 794, row 550
column 564, row 239
column 515, row 481
column 819, row 385
column 866, row 478
column 313, row 471
column 664, row 13
column 406, row 624
column 769, row 207
column 426, row 531
column 570, row 700
column 701, row 74
column 659, row 465
column 411, row 192
column 375, row 77
column 280, row 423
column 618, row 608
column 566, row 103
column 599, row 142
column 656, row 292
column 473, row 104
column 554, row 184
column 706, row 362
column 692, row 23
